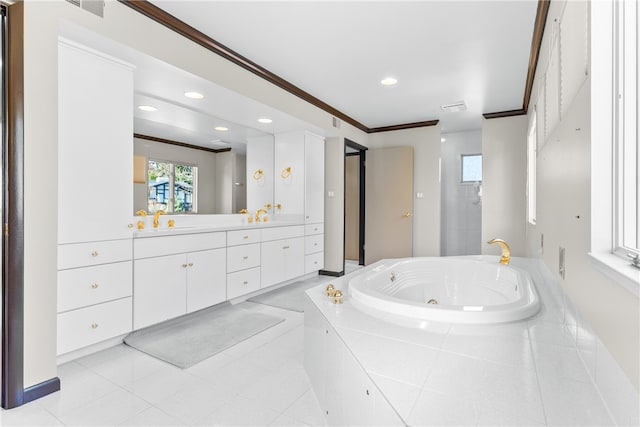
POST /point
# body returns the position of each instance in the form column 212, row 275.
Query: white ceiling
column 441, row 52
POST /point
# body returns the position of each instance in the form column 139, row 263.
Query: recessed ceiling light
column 265, row 120
column 221, row 128
column 147, row 108
column 389, row 81
column 194, row 95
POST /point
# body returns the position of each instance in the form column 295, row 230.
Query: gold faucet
column 244, row 211
column 258, row 212
column 155, row 218
column 506, row 251
column 140, row 224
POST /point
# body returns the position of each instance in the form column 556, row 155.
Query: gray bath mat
column 195, row 337
column 289, row 297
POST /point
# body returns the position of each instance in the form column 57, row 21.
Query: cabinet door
column 294, row 258
column 206, row 278
column 314, row 178
column 289, row 187
column 159, row 290
column 272, row 262
column 95, row 149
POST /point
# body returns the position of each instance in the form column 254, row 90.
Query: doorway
column 354, row 204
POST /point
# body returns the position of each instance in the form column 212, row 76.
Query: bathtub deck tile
column 408, row 363
column 508, row 350
column 568, row 402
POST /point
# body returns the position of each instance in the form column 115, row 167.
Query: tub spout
column 506, row 251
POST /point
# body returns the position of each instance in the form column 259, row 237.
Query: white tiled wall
column 461, row 205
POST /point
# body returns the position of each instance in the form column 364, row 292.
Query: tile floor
column 260, row 381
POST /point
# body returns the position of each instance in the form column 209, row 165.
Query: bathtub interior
column 447, row 281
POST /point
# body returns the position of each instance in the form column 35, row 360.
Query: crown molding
column 180, row 144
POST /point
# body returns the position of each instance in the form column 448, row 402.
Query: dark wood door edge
column 331, row 273
column 13, row 203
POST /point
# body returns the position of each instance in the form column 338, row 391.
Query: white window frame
column 462, row 180
column 532, row 154
column 605, row 253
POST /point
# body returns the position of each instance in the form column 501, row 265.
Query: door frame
column 13, row 211
column 361, row 151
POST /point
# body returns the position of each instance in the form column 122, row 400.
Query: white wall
column 504, row 168
column 43, row 20
column 461, row 225
column 426, row 180
column 564, row 211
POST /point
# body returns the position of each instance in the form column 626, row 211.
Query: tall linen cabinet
column 95, row 196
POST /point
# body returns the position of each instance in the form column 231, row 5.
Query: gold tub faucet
column 156, row 222
column 506, row 251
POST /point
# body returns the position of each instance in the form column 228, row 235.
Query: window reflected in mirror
column 171, row 187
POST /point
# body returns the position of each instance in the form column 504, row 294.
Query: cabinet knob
column 245, row 237
column 129, row 225
column 190, row 264
column 245, row 283
column 285, row 247
column 184, row 265
column 94, row 286
column 245, row 257
column 94, row 326
column 94, row 254
column 315, row 244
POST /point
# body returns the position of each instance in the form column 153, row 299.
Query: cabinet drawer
column 313, row 262
column 243, row 282
column 90, row 325
column 94, row 253
column 168, row 245
column 81, row 287
column 243, row 257
column 317, row 228
column 242, row 237
column 277, row 233
column 313, row 244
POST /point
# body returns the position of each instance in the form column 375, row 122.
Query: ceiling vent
column 93, row 6
column 455, row 107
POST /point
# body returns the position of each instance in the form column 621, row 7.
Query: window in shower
column 472, row 168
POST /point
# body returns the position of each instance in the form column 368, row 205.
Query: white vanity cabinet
column 175, row 275
column 313, row 247
column 243, row 262
column 94, row 293
column 95, row 145
column 299, row 175
column 282, row 254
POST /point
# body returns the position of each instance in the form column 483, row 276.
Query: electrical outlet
column 561, row 265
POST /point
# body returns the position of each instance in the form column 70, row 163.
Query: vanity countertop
column 197, row 229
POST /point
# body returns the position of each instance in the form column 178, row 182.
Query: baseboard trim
column 331, row 273
column 40, row 390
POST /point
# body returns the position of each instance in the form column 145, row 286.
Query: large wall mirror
column 190, row 134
